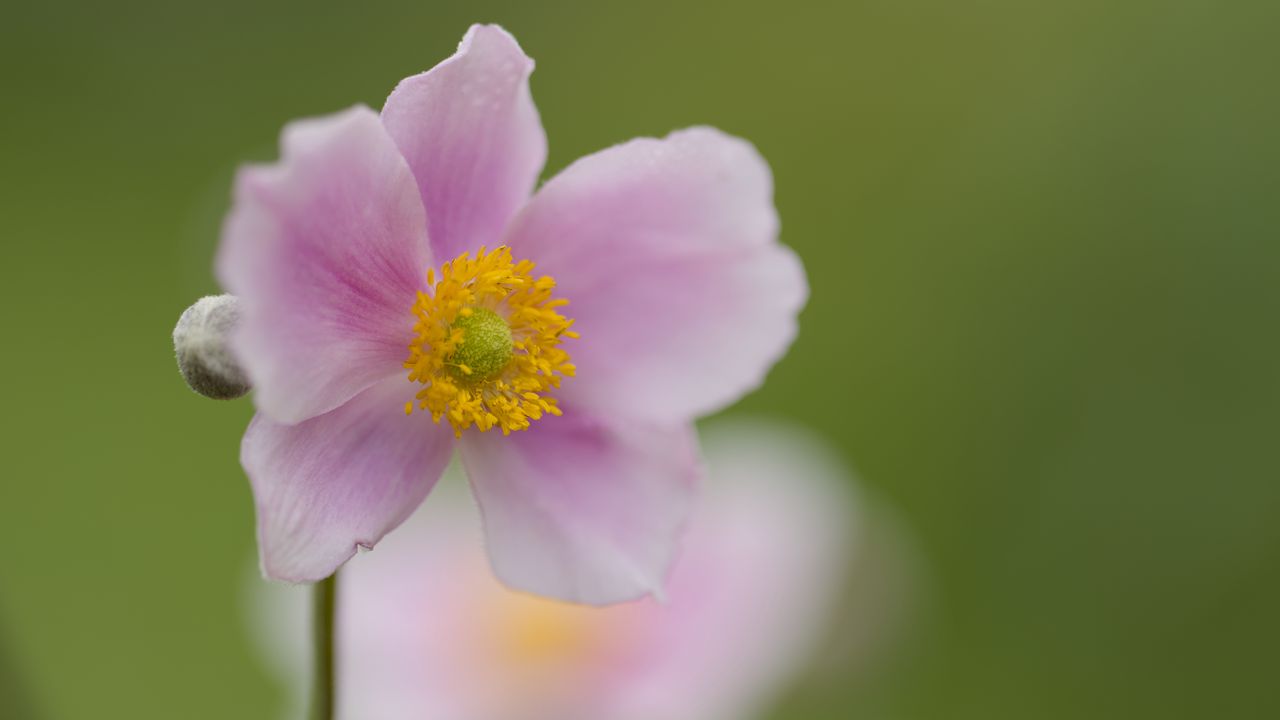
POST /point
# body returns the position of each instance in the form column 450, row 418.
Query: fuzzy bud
column 201, row 342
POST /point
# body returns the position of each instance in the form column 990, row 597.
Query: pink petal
column 340, row 480
column 472, row 136
column 754, row 590
column 326, row 249
column 667, row 252
column 580, row 509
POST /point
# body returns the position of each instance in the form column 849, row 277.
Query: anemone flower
column 385, row 268
column 426, row 633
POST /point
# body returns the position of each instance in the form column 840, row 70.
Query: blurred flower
column 385, row 265
column 425, row 633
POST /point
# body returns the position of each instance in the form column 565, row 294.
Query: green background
column 1042, row 243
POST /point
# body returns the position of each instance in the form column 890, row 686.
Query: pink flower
column 425, row 633
column 386, row 270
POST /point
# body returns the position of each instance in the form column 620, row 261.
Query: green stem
column 322, row 622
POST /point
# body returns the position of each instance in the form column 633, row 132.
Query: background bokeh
column 1041, row 236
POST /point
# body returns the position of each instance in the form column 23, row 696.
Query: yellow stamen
column 487, row 349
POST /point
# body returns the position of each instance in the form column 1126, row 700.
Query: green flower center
column 486, row 346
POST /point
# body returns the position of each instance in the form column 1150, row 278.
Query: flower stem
column 322, row 623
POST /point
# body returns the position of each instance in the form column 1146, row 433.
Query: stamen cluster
column 473, row 371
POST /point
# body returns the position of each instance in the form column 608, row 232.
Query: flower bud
column 201, row 342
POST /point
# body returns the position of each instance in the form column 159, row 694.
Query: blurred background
column 1042, row 242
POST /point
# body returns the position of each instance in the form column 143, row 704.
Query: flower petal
column 753, row 592
column 326, row 251
column 340, row 480
column 667, row 251
column 472, row 136
column 582, row 510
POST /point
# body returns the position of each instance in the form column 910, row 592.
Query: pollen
column 487, row 347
